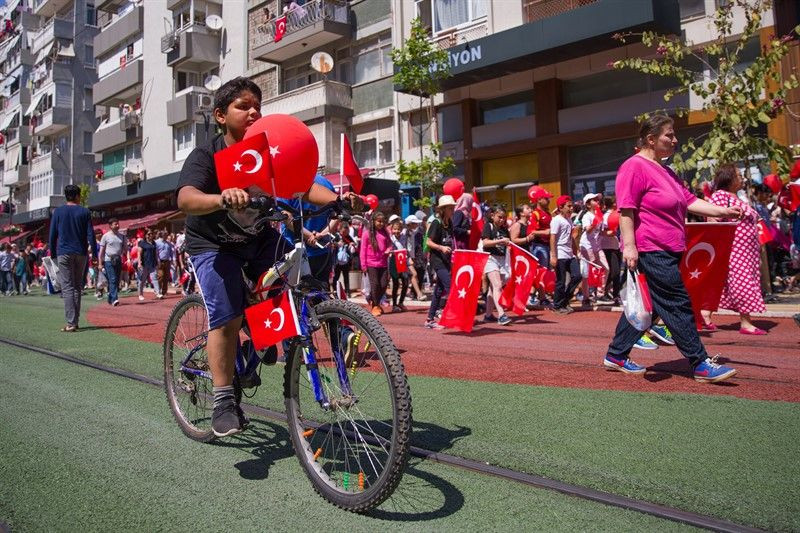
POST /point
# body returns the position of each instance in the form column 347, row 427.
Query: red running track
column 542, row 348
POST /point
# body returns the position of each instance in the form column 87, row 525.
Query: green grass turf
column 93, row 452
column 723, row 456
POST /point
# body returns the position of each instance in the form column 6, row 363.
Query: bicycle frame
column 290, row 269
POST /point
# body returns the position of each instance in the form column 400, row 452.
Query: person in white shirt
column 562, row 256
column 590, row 243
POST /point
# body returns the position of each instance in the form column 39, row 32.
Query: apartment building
column 48, row 108
column 531, row 97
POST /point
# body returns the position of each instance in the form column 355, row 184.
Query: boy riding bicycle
column 221, row 242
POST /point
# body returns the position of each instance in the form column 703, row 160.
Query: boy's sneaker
column 115, row 303
column 562, row 310
column 432, row 324
column 243, row 420
column 488, row 318
column 663, row 334
column 709, row 371
column 645, row 343
column 626, row 366
column 141, row 298
column 503, row 320
column 225, row 419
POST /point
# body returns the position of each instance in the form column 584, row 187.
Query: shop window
column 450, row 124
column 692, row 8
column 506, row 108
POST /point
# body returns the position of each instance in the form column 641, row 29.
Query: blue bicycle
column 346, row 394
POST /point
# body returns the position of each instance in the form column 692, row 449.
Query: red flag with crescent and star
column 789, row 197
column 597, row 276
column 465, row 287
column 524, row 275
column 400, row 260
column 280, row 28
column 476, row 228
column 244, row 164
column 764, row 234
column 704, row 265
column 273, row 320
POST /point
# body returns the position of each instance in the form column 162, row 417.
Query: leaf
column 763, row 117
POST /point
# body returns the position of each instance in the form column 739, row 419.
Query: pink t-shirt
column 660, row 201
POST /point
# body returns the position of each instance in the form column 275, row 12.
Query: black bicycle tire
column 177, row 312
column 396, row 463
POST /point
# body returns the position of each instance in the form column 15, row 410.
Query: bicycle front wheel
column 187, row 376
column 355, row 449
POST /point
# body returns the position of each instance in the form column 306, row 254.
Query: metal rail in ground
column 660, row 511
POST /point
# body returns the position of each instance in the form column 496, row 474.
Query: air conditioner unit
column 205, row 102
column 133, row 171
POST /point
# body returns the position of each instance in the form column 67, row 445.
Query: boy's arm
column 193, row 201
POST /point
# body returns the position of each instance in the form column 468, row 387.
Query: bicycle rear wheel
column 189, row 395
column 354, row 451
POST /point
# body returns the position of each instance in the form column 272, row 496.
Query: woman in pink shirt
column 376, row 245
column 653, row 203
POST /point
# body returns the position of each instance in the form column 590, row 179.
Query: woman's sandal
column 69, row 329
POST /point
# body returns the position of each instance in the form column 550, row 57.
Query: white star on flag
column 695, row 274
column 237, row 166
column 462, row 293
column 518, row 279
column 273, row 151
column 268, row 324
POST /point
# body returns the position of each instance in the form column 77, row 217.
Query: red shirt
column 541, row 220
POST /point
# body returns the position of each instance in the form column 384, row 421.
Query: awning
column 67, row 51
column 14, row 238
column 138, row 220
column 8, row 119
column 8, row 45
column 34, row 103
column 12, row 158
column 44, row 52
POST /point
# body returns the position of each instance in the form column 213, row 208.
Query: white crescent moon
column 280, row 313
column 480, row 212
column 702, row 246
column 469, row 270
column 257, row 158
column 524, row 260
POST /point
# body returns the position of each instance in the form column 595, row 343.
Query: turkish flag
column 280, row 28
column 704, row 265
column 547, row 280
column 465, row 287
column 273, row 320
column 764, row 234
column 244, row 163
column 476, row 228
column 349, row 167
column 598, row 217
column 596, row 277
column 524, row 274
column 789, row 197
column 401, row 260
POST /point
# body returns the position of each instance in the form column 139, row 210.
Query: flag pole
column 341, row 165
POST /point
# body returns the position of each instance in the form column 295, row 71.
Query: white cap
column 590, row 196
column 421, row 215
column 393, row 218
column 411, row 219
column 445, row 200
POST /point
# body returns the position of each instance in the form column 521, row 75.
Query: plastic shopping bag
column 365, row 286
column 636, row 303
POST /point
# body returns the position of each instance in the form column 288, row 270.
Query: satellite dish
column 322, row 62
column 214, row 22
column 212, row 82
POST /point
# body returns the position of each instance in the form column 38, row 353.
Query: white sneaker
column 141, row 298
column 160, row 296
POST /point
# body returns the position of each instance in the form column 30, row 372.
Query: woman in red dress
column 742, row 290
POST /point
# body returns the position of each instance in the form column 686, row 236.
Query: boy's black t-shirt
column 238, row 232
column 493, row 233
column 442, row 235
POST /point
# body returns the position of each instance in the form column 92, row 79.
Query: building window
column 385, row 153
column 88, row 99
column 91, row 15
column 113, row 163
column 183, row 140
column 366, row 153
column 419, row 130
column 294, row 78
column 88, row 55
column 692, row 8
column 452, row 13
column 87, row 142
column 373, row 60
column 450, row 124
column 506, row 107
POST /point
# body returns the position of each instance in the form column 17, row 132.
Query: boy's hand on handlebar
column 355, row 201
column 234, row 198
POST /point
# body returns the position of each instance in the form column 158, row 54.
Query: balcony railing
column 317, row 95
column 461, row 35
column 534, row 10
column 307, row 15
column 61, row 28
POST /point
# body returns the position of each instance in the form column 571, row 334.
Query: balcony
column 454, row 37
column 321, row 99
column 18, row 135
column 186, row 103
column 128, row 25
column 48, row 8
column 534, row 10
column 17, row 176
column 316, row 24
column 110, row 6
column 56, row 28
column 53, row 120
column 193, row 47
column 116, row 133
column 121, row 85
column 20, row 98
column 42, row 76
column 48, row 163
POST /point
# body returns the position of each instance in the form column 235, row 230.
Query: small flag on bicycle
column 273, row 320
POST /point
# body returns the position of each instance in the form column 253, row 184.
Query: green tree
column 420, row 68
column 740, row 97
column 86, row 189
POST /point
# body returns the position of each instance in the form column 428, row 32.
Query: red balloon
column 613, row 220
column 454, row 187
column 293, row 150
column 773, row 182
column 372, row 201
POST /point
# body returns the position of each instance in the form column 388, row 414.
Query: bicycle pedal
column 248, row 382
column 269, row 356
